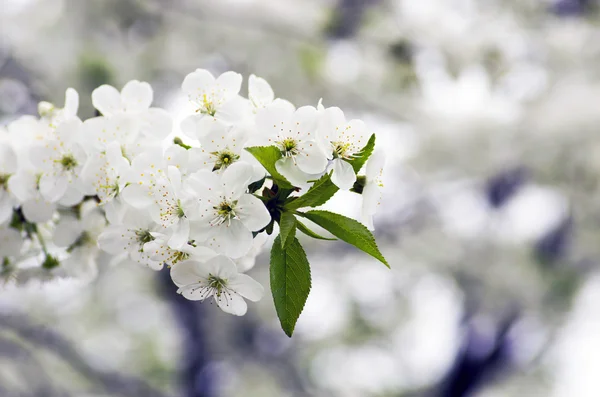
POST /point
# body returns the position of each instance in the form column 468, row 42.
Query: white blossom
column 227, row 215
column 217, row 278
column 341, row 140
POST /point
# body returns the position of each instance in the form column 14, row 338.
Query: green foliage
column 319, row 193
column 348, row 230
column 268, row 156
column 254, row 186
column 302, row 227
column 290, row 282
column 287, row 228
column 361, row 158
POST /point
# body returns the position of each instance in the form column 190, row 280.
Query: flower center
column 179, row 256
column 217, row 284
column 68, row 162
column 289, row 147
column 179, row 210
column 143, row 236
column 4, row 181
column 225, row 213
column 341, row 150
column 207, row 106
column 224, row 159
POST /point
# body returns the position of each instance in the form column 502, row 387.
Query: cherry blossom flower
column 217, row 278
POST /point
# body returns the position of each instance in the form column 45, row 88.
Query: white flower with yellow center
column 226, row 214
column 107, row 172
column 131, row 238
column 220, row 147
column 213, row 99
column 341, row 141
column 295, row 134
column 60, row 160
column 217, row 278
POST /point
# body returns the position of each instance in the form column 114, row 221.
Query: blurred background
column 488, row 113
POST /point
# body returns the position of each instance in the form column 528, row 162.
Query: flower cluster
column 200, row 204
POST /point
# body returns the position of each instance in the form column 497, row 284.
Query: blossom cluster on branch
column 200, row 204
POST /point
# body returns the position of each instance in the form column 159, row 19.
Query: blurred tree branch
column 112, row 382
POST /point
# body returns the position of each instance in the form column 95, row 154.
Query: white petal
column 8, row 159
column 71, row 103
column 311, row 158
column 331, row 121
column 304, row 123
column 232, row 303
column 235, row 179
column 67, row 231
column 196, row 83
column 188, row 272
column 195, row 292
column 271, row 122
column 136, row 196
column 52, row 187
column 343, row 174
column 6, row 208
column 38, row 210
column 221, row 267
column 229, row 84
column 157, row 123
column 233, row 240
column 234, row 110
column 247, row 287
column 291, row 172
column 375, row 164
column 107, row 100
column 252, row 212
column 114, row 239
column 259, row 91
column 190, row 126
column 136, row 96
column 181, row 234
column 371, row 197
column 22, row 185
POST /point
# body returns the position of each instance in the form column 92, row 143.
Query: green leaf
column 268, row 156
column 361, row 157
column 349, row 230
column 287, row 228
column 318, row 194
column 302, row 227
column 290, row 282
column 254, row 186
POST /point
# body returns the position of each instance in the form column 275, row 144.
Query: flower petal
column 343, row 174
column 181, row 234
column 53, row 187
column 247, row 287
column 136, row 96
column 188, row 272
column 107, row 100
column 252, row 212
column 233, row 240
column 259, row 91
column 232, row 303
column 228, row 85
column 197, row 83
column 38, row 210
column 311, row 158
column 235, row 179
